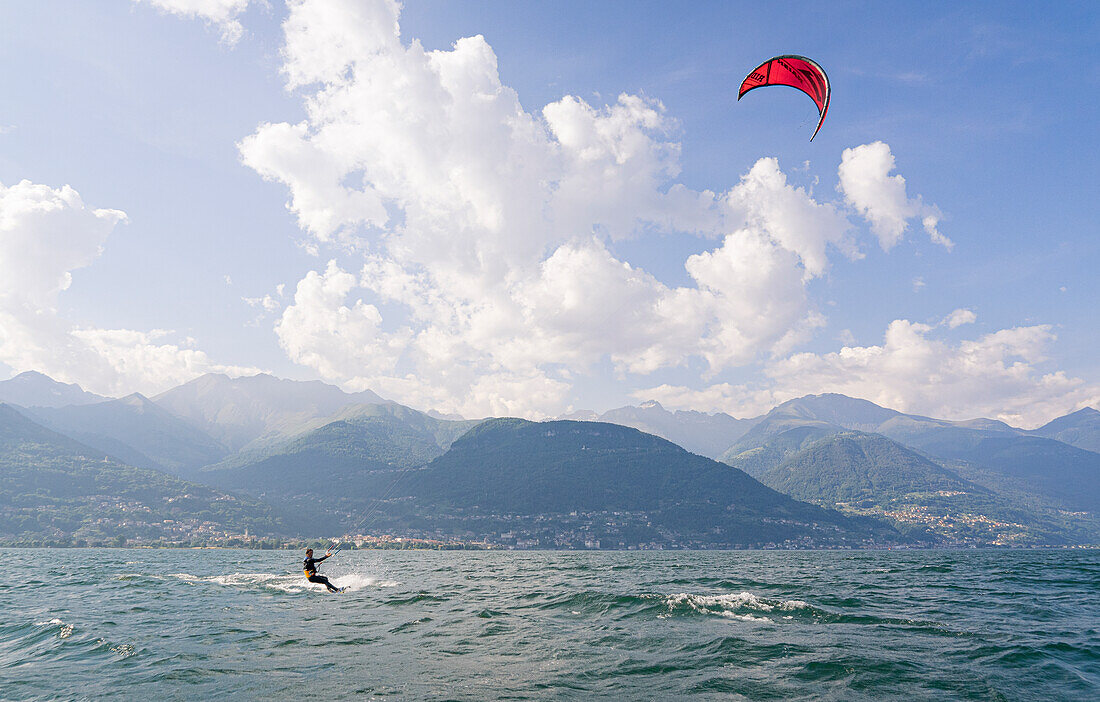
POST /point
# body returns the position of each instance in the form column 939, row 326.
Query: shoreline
column 315, row 545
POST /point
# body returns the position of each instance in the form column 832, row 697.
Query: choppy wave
column 742, row 605
column 745, row 606
column 55, row 639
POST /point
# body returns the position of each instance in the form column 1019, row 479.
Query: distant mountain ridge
column 263, row 408
column 699, row 432
column 321, row 456
column 1080, row 429
column 33, row 389
column 136, row 430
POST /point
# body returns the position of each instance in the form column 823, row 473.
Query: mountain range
column 1031, row 488
column 33, row 389
column 618, row 484
column 825, row 470
column 136, row 430
column 57, row 490
column 252, row 411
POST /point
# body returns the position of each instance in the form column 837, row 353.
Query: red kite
column 798, row 72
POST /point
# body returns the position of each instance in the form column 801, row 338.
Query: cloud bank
column 996, row 375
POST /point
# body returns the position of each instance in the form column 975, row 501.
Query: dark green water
column 935, row 625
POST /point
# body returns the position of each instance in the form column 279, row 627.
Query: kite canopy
column 797, row 72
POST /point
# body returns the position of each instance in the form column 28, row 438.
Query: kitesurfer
column 310, row 567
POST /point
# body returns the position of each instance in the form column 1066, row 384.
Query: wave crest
column 739, row 605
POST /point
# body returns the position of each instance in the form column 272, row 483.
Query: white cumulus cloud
column 488, row 275
column 1003, row 375
column 960, row 317
column 881, row 198
column 147, row 361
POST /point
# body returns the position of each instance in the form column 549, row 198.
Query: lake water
column 206, row 624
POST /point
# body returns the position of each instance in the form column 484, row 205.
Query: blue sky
column 988, row 111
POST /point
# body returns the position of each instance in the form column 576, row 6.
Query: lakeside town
column 575, row 531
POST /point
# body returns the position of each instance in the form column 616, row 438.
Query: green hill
column 555, row 478
column 559, row 480
column 1010, row 460
column 856, row 466
column 1057, row 471
column 54, row 489
column 760, row 450
column 1064, row 474
column 869, row 474
column 332, row 471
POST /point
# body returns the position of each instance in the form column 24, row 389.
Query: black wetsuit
column 310, row 567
